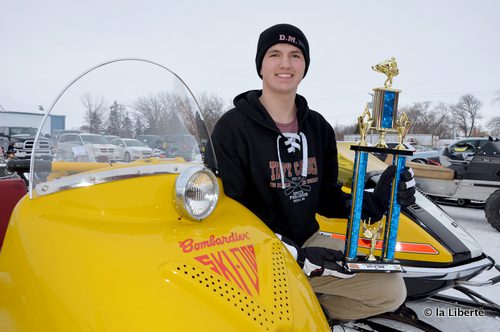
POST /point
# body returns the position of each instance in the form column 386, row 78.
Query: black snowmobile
column 475, row 180
column 435, row 251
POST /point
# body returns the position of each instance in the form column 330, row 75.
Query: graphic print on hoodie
column 294, row 177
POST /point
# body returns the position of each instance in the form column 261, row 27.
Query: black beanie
column 281, row 33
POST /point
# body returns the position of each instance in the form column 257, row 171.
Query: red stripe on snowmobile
column 416, row 248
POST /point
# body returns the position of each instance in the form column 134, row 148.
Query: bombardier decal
column 190, row 245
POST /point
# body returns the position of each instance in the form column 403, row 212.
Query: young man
column 279, row 159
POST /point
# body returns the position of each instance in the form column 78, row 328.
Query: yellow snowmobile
column 149, row 245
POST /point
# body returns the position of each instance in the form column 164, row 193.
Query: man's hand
column 319, row 261
column 406, row 187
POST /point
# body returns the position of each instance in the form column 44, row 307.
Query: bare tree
column 212, row 108
column 465, row 113
column 496, row 99
column 94, row 112
column 177, row 114
column 187, row 111
column 428, row 119
column 153, row 112
column 494, row 126
column 441, row 125
column 342, row 130
column 478, row 131
column 161, row 114
column 420, row 116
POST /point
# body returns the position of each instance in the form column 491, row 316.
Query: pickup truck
column 19, row 141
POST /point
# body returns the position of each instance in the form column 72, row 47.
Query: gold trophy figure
column 372, row 233
column 388, row 67
column 364, row 125
column 402, row 128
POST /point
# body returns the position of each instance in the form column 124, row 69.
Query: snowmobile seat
column 11, row 191
column 431, row 171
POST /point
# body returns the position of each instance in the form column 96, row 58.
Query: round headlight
column 196, row 193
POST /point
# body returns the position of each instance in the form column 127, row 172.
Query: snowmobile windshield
column 123, row 98
column 491, row 149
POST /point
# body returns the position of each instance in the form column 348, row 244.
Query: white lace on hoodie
column 293, row 141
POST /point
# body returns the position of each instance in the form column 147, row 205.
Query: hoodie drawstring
column 292, row 143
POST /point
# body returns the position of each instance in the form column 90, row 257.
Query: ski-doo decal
column 237, row 264
column 416, row 248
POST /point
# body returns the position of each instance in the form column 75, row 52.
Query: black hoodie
column 252, row 156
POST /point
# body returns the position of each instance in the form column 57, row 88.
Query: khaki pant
column 364, row 295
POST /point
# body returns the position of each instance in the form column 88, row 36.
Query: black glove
column 317, row 261
column 320, row 261
column 406, row 188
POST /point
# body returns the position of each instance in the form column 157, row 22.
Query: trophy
column 384, row 120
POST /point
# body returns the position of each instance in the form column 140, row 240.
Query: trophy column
column 358, row 187
column 391, row 229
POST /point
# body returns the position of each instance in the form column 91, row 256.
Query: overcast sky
column 444, row 48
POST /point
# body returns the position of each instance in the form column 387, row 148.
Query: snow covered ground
column 474, row 221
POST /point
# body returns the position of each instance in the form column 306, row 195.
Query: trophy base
column 361, row 264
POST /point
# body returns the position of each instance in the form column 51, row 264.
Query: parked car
column 130, row 149
column 181, row 145
column 421, row 154
column 111, row 137
column 58, row 132
column 153, row 141
column 85, row 147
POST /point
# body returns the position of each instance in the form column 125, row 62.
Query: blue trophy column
column 358, row 187
column 391, row 227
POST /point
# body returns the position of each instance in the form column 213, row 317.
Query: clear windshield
column 129, row 99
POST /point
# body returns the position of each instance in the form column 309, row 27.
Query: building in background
column 25, row 119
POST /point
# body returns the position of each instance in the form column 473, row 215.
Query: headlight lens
column 19, row 145
column 196, row 193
